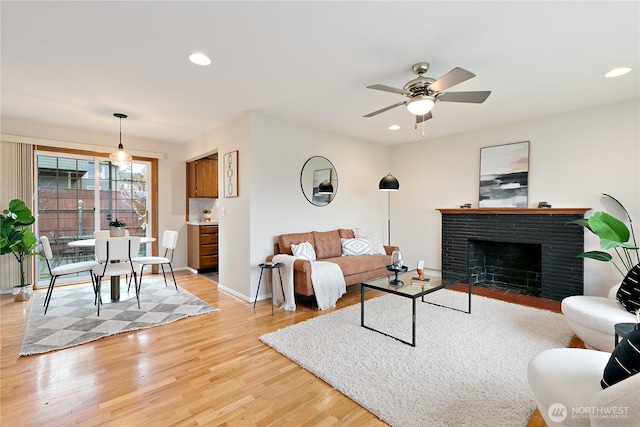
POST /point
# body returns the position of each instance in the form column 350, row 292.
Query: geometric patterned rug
column 72, row 316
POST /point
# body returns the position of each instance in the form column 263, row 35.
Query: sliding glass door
column 77, row 195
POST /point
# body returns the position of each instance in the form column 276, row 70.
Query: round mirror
column 319, row 181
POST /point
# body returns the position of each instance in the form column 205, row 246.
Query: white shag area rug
column 466, row 369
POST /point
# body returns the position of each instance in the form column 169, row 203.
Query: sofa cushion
column 624, row 361
column 373, row 237
column 327, row 244
column 629, row 292
column 304, row 250
column 352, row 247
column 346, row 233
column 286, row 240
column 357, row 264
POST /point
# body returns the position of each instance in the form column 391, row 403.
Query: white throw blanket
column 328, row 283
column 288, row 300
column 327, row 278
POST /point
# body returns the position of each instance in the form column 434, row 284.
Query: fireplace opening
column 514, row 267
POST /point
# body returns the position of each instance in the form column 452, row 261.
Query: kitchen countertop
column 213, row 222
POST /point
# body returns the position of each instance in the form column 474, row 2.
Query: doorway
column 76, row 195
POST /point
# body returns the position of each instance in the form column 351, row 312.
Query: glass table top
column 434, row 279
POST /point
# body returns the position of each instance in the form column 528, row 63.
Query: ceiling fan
column 423, row 92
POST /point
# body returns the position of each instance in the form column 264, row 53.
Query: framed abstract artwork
column 504, row 176
column 230, row 165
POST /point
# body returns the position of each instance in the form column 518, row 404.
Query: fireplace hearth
column 530, row 251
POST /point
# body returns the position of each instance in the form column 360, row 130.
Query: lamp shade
column 120, row 158
column 389, row 183
column 325, row 187
column 421, row 105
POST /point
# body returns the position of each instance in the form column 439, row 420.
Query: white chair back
column 46, row 247
column 117, row 248
column 170, row 239
column 101, row 234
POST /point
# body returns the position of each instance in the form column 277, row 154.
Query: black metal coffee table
column 436, row 280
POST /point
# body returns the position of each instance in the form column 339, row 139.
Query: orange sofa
column 356, row 269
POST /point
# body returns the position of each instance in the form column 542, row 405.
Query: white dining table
column 115, row 280
column 90, row 243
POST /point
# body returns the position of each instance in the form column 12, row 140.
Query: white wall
column 234, row 228
column 271, row 153
column 279, row 149
column 574, row 157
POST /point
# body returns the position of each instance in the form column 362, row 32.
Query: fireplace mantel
column 517, row 211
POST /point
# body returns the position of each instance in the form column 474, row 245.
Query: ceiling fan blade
column 474, row 97
column 385, row 109
column 420, row 119
column 389, row 89
column 452, row 78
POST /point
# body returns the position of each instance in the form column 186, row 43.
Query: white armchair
column 566, row 387
column 593, row 318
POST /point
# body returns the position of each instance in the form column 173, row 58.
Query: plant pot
column 22, row 293
column 116, row 232
column 207, row 217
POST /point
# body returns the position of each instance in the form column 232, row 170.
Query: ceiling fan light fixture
column 420, row 106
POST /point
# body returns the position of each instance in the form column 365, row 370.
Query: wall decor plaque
column 231, row 174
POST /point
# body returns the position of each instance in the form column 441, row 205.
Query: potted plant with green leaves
column 116, row 228
column 16, row 238
column 206, row 215
column 614, row 234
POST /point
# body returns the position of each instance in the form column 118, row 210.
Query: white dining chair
column 101, row 234
column 169, row 243
column 62, row 269
column 115, row 255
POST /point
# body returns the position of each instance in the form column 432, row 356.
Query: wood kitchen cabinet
column 202, row 247
column 202, row 178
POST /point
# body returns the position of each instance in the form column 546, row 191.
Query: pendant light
column 120, row 158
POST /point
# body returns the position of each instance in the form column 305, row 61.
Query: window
column 79, row 194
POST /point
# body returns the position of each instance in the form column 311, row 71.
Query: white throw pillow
column 304, row 250
column 373, row 237
column 356, row 247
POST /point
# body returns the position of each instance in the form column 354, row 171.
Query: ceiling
column 77, row 63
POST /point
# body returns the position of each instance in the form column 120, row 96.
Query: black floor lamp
column 389, row 183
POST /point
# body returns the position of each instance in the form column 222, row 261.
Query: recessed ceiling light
column 394, row 127
column 617, row 72
column 199, row 58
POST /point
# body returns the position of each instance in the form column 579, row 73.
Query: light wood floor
column 205, row 370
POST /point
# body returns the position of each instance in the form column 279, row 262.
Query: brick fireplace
column 531, row 251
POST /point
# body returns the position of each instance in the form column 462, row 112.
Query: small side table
column 270, row 267
column 623, row 329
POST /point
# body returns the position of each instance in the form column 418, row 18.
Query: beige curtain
column 16, row 166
